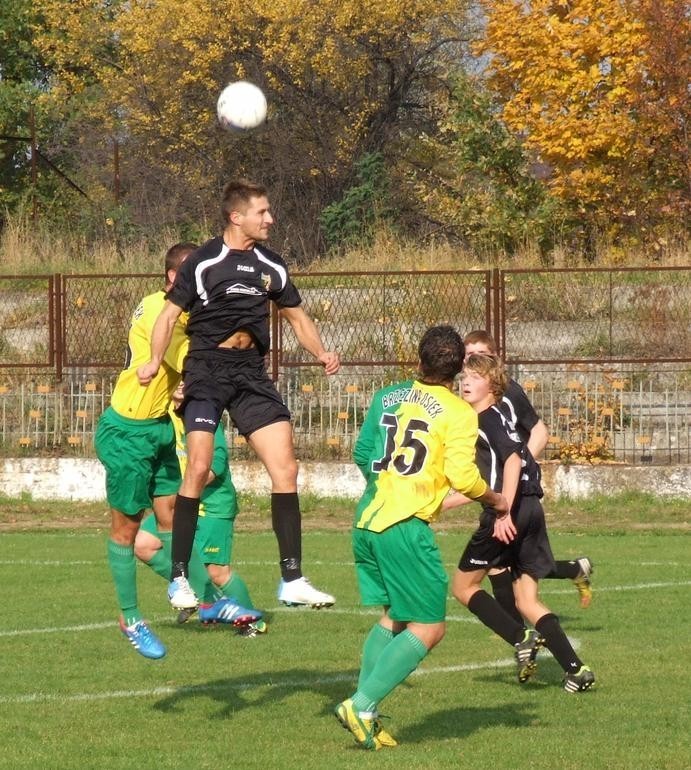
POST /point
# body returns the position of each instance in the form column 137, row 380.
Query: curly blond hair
column 491, row 368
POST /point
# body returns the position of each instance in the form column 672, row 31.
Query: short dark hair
column 441, row 352
column 237, row 194
column 176, row 254
column 483, row 338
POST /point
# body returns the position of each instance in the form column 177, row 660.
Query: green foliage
column 479, row 179
column 351, row 220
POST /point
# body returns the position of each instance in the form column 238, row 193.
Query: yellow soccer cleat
column 363, row 730
column 582, row 582
column 382, row 736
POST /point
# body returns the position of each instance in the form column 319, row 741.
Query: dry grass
column 25, row 249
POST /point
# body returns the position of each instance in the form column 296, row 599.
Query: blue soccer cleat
column 143, row 639
column 227, row 611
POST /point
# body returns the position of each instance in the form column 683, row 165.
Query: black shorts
column 529, row 552
column 230, row 379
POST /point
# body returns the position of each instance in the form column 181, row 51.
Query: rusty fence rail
column 604, row 354
column 636, row 414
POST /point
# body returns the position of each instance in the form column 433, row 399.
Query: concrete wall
column 84, row 479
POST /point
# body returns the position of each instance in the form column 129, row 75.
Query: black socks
column 287, row 526
column 184, row 527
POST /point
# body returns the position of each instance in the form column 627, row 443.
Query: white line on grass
column 252, row 563
column 350, row 611
column 41, row 697
column 56, row 563
column 167, row 618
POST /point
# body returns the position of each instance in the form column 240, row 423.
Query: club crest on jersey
column 266, row 280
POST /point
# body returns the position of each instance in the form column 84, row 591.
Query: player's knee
column 284, row 476
column 524, row 605
column 198, row 471
column 462, row 592
column 219, row 574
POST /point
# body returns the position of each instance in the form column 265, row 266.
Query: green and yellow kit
column 417, row 442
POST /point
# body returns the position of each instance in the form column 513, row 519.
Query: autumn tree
column 577, row 78
column 342, row 78
column 473, row 178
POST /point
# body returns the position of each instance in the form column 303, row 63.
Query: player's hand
column 330, row 361
column 146, row 372
column 504, row 529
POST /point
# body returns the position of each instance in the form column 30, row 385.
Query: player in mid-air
column 417, row 441
column 218, row 508
column 135, row 442
column 519, row 541
column 517, row 408
column 226, row 286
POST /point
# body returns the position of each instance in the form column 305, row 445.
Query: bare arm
column 504, row 528
column 539, row 436
column 495, row 500
column 160, row 339
column 309, row 338
column 455, row 500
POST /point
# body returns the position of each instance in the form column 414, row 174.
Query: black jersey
column 225, row 290
column 516, row 407
column 497, row 440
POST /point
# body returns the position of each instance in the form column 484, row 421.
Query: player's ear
column 235, row 218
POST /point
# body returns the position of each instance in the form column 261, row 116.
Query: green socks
column 375, row 642
column 123, row 568
column 236, row 589
column 396, row 662
column 208, row 593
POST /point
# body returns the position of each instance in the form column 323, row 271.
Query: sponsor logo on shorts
column 477, row 561
column 205, row 419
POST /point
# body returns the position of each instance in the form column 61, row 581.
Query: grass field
column 74, row 694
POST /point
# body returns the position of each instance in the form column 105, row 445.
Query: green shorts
column 213, row 539
column 401, row 568
column 140, row 460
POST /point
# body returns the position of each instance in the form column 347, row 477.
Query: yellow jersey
column 142, row 402
column 416, row 442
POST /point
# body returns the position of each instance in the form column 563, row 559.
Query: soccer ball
column 241, row 106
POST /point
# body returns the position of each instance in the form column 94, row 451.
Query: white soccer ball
column 241, row 106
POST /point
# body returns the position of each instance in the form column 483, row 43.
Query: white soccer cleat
column 180, row 594
column 302, row 592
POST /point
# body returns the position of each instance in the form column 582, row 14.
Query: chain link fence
column 604, row 355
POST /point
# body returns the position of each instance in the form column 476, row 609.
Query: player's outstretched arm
column 455, row 500
column 309, row 338
column 161, row 335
